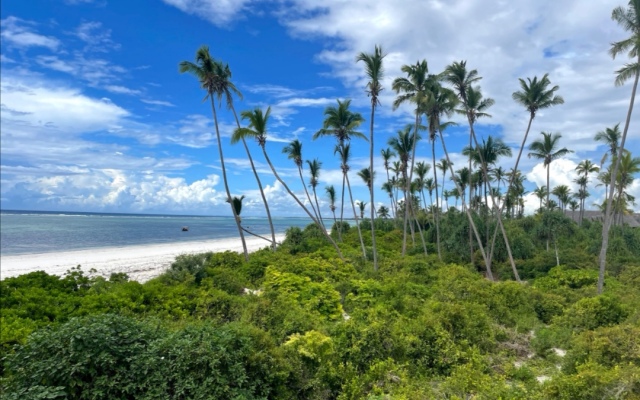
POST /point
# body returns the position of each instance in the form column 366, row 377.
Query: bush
column 594, row 312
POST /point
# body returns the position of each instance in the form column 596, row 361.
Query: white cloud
column 94, row 70
column 122, row 90
column 96, row 38
column 158, row 103
column 219, row 12
column 17, row 32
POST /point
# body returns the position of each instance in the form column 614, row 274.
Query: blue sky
column 96, row 117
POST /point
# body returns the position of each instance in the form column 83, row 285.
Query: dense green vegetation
column 316, row 327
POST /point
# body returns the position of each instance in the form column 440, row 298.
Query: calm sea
column 29, row 232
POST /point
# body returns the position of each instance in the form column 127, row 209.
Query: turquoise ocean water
column 31, row 232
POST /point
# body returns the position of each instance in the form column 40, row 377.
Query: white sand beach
column 140, row 262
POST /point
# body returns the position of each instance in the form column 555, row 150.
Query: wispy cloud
column 19, row 33
column 219, row 13
column 122, row 90
column 158, row 103
column 95, row 37
column 93, row 70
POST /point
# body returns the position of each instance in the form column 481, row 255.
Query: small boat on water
column 185, row 229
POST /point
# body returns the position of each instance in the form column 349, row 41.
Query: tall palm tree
column 257, row 129
column 463, row 178
column 388, row 187
column 563, row 193
column 228, row 90
column 331, row 193
column 387, row 155
column 629, row 166
column 546, row 149
column 473, row 107
column 361, row 206
column 443, row 165
column 375, row 72
column 314, row 170
column 383, row 212
column 534, row 96
column 541, row 194
column 611, row 138
column 402, row 144
column 294, row 152
column 583, row 169
column 344, row 152
column 629, row 19
column 422, row 169
column 211, row 75
column 341, row 123
column 412, row 89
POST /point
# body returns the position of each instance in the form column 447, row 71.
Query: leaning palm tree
column 375, row 72
column 257, row 129
column 344, row 152
column 412, row 89
column 546, row 149
column 228, row 90
column 211, row 74
column 314, row 170
column 341, row 123
column 629, row 19
column 294, row 152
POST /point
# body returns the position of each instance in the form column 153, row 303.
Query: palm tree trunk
column 315, row 196
column 437, row 210
column 471, row 251
column 424, row 244
column 313, row 208
column 355, row 216
column 226, row 183
column 407, row 184
column 286, row 187
column 373, row 207
column 473, row 225
column 255, row 173
column 342, row 207
column 607, row 214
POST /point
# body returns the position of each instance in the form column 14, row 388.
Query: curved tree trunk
column 286, row 187
column 607, row 214
column 255, row 173
column 226, row 183
column 407, row 184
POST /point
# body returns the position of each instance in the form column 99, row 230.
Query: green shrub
column 591, row 313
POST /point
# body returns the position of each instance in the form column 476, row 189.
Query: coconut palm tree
column 257, row 129
column 228, row 90
column 331, row 194
column 387, row 155
column 344, row 151
column 443, row 165
column 629, row 19
column 361, row 206
column 314, row 170
column 563, row 193
column 341, row 123
column 573, row 206
column 375, row 71
column 611, row 138
column 629, row 166
column 541, row 194
column 422, row 169
column 412, row 89
column 388, row 187
column 462, row 176
column 534, row 96
column 211, row 75
column 402, row 144
column 383, row 212
column 583, row 169
column 294, row 152
column 546, row 149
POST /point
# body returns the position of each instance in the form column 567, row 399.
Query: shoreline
column 139, row 262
